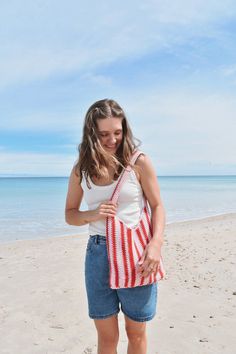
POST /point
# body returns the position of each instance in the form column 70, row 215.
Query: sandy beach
column 43, row 306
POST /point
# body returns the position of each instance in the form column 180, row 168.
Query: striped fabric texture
column 125, row 245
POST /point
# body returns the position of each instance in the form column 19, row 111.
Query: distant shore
column 43, row 300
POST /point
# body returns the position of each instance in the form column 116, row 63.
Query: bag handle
column 123, row 177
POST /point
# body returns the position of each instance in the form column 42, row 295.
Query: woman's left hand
column 150, row 260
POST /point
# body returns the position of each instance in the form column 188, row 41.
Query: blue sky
column 170, row 64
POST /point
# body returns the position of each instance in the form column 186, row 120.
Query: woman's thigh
column 139, row 303
column 103, row 301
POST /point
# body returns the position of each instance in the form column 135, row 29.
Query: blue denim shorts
column 138, row 303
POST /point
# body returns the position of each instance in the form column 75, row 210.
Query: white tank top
column 130, row 201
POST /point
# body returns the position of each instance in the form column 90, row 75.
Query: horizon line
column 34, row 176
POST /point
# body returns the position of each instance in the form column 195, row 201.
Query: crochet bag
column 125, row 245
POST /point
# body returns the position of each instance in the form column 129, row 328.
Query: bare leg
column 108, row 335
column 136, row 333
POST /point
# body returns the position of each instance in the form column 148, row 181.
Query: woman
column 106, row 148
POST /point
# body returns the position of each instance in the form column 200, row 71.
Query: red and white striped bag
column 125, row 245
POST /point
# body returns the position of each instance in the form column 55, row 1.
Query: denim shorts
column 138, row 303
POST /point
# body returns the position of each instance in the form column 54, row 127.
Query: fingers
column 107, row 208
column 148, row 271
column 140, row 262
column 109, row 202
column 148, row 268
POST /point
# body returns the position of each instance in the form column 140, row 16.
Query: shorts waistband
column 98, row 238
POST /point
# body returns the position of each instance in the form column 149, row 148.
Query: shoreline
column 170, row 224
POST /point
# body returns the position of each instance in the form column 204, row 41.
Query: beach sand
column 43, row 305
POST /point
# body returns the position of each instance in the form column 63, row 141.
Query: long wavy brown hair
column 93, row 160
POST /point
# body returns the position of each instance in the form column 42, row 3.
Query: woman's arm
column 151, row 256
column 149, row 183
column 74, row 216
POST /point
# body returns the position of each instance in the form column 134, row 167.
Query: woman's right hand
column 105, row 209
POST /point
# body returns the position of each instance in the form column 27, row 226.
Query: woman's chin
column 111, row 150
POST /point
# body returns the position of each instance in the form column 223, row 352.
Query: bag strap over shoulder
column 124, row 175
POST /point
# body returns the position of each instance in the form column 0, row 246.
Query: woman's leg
column 136, row 333
column 108, row 335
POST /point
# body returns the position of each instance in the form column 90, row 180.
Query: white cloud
column 42, row 39
column 103, row 80
column 229, row 70
column 36, row 164
column 182, row 131
column 43, row 122
column 193, row 12
column 186, row 127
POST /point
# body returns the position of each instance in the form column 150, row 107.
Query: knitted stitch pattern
column 125, row 245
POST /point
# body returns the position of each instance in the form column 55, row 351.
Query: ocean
column 33, row 207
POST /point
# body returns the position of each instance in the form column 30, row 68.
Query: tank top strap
column 136, row 154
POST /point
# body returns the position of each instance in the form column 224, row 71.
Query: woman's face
column 110, row 133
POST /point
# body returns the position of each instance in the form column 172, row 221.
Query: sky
column 171, row 65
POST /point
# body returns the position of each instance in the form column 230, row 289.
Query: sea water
column 34, row 207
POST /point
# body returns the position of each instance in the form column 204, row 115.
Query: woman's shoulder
column 142, row 158
column 141, row 164
column 144, row 163
column 75, row 175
